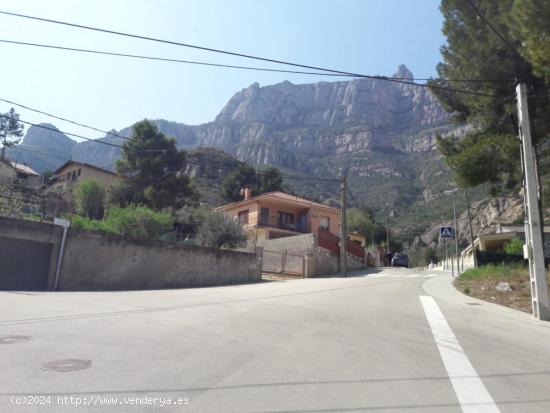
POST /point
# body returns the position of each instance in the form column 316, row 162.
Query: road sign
column 61, row 222
column 446, row 232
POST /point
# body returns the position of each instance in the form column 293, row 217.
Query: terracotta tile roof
column 280, row 195
column 56, row 172
column 19, row 167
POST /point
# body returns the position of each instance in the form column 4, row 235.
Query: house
column 72, row 172
column 494, row 239
column 18, row 172
column 278, row 214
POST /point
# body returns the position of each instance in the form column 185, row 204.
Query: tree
column 532, row 25
column 244, row 176
column 265, row 180
column 359, row 220
column 219, row 230
column 154, row 169
column 474, row 51
column 270, row 179
column 10, row 128
column 90, row 198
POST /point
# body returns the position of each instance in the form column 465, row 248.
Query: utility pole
column 471, row 229
column 343, row 229
column 456, row 240
column 388, row 234
column 446, row 255
column 533, row 235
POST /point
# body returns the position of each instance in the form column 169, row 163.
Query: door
column 24, row 264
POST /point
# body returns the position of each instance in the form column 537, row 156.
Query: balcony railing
column 283, row 226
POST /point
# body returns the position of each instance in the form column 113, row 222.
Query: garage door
column 24, row 264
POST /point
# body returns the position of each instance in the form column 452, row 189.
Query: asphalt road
column 389, row 341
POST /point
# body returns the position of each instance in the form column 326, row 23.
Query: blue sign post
column 446, row 232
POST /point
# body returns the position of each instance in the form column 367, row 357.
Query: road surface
column 387, row 341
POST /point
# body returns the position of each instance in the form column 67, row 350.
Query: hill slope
column 382, row 133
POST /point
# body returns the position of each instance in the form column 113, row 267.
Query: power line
column 493, row 29
column 194, row 62
column 61, row 118
column 166, row 59
column 65, row 133
column 265, row 59
column 158, row 150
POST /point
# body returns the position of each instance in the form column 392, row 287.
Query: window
column 264, row 216
column 74, row 175
column 286, row 219
column 324, row 222
column 79, row 171
column 243, row 217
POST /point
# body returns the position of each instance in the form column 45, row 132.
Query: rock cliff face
column 382, row 133
column 486, row 214
column 43, row 149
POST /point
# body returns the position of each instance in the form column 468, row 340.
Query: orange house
column 277, row 214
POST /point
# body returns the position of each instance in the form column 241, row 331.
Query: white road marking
column 469, row 389
column 430, row 276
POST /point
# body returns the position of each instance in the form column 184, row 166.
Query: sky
column 364, row 36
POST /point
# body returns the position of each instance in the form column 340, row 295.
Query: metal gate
column 283, row 263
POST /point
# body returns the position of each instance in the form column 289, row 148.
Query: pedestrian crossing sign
column 446, row 232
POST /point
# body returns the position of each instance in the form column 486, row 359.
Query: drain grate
column 473, row 303
column 13, row 339
column 66, row 365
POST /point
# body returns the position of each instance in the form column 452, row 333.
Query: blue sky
column 366, row 36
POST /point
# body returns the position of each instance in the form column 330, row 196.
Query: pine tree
column 154, row 169
column 10, row 129
column 490, row 151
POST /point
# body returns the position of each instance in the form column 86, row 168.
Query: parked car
column 400, row 260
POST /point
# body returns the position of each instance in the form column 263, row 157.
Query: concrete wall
column 94, row 261
column 326, row 262
column 319, row 261
column 297, row 244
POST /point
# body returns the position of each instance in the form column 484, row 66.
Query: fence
column 283, row 263
column 331, row 242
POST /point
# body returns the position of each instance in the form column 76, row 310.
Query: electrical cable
column 209, row 49
column 220, row 65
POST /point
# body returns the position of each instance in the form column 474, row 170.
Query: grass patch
column 481, row 283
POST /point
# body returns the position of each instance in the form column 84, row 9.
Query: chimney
column 246, row 191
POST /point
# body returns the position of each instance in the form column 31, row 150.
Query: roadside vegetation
column 156, row 201
column 513, row 281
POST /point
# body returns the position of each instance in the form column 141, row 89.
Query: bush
column 89, row 197
column 219, row 230
column 514, row 247
column 133, row 222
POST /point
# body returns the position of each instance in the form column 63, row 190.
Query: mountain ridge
column 382, row 132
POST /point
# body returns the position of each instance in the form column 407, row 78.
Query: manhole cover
column 13, row 339
column 66, row 365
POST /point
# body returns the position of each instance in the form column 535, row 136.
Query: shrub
column 133, row 222
column 514, row 247
column 89, row 197
column 219, row 230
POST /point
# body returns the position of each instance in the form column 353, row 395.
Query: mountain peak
column 403, row 72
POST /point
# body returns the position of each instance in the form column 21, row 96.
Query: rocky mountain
column 382, row 133
column 43, row 148
column 486, row 215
